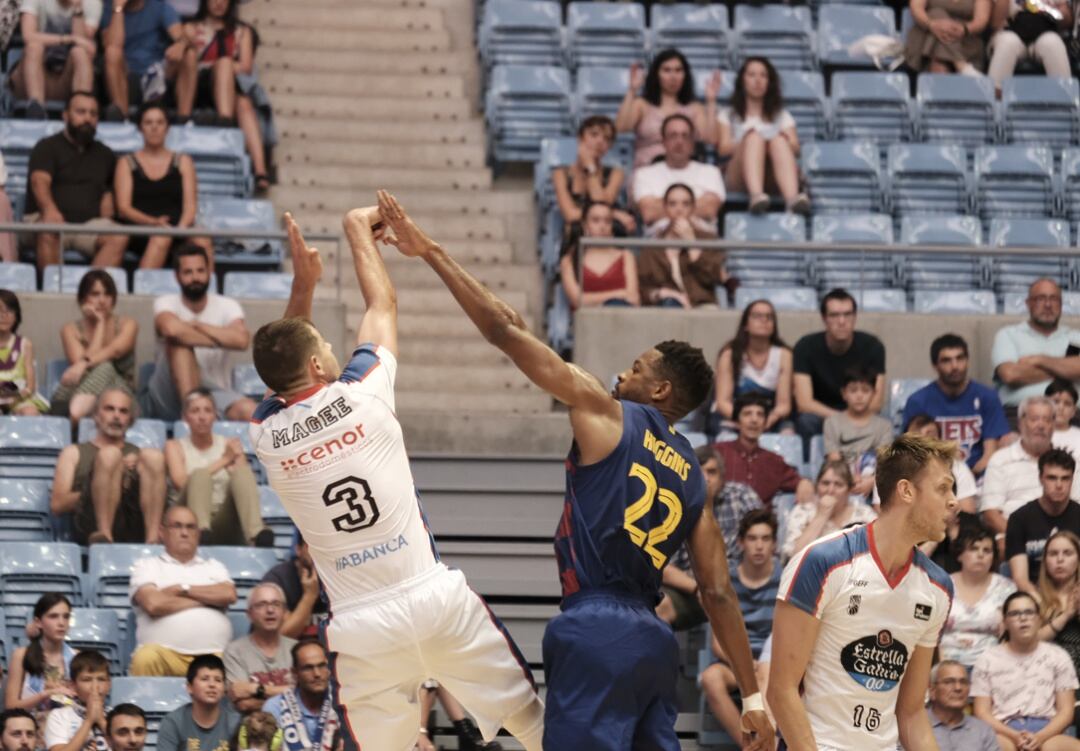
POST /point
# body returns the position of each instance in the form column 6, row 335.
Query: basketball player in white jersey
column 859, row 614
column 334, row 452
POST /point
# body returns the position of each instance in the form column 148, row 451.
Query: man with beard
column 18, row 730
column 196, row 329
column 71, row 177
column 206, row 723
column 966, row 411
column 305, row 714
column 115, row 490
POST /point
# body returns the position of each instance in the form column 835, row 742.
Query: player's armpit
column 794, row 633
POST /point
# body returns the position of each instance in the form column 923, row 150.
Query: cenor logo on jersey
column 324, row 454
column 876, row 662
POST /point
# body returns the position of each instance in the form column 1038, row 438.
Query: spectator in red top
column 746, row 462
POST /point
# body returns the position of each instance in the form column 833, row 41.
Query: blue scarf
column 293, row 730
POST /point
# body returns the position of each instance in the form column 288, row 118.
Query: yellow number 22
column 639, row 508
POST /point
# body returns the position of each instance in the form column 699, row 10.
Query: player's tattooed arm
column 363, row 227
column 911, row 718
column 794, row 634
column 307, row 270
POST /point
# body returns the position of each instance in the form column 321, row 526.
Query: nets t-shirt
column 826, row 369
column 968, row 419
column 1029, row 528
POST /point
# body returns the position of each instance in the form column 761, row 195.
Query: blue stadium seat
column 835, row 269
column 954, row 108
column 783, row 34
column 696, row 439
column 155, row 282
column 928, row 179
column 18, row 277
column 700, row 32
column 54, row 370
column 246, row 566
column 224, row 213
column 817, row 458
column 1016, row 273
column 754, row 268
column 29, row 446
column 1041, row 110
column 1015, row 303
column 29, row 568
column 843, row 177
column 277, row 518
column 523, row 105
column 265, row 285
column 871, row 105
column 936, row 271
column 1014, row 181
column 804, row 98
column 65, row 279
column 1070, row 183
column 880, row 300
column 122, row 138
column 146, row 432
column 24, row 510
column 560, row 325
column 156, row 696
column 955, row 302
column 17, row 140
column 782, row 298
column 110, row 573
column 246, row 380
column 899, row 391
column 788, row 446
column 520, row 32
column 99, row 629
column 221, row 161
column 605, row 33
column 599, row 91
column 841, row 25
column 241, row 624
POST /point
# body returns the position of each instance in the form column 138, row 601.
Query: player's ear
column 905, row 491
column 662, row 390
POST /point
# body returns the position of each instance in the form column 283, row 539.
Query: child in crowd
column 18, row 379
column 855, row 434
column 81, row 722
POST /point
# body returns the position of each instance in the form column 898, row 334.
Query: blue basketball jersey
column 627, row 515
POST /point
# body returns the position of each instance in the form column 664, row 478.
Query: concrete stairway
column 383, row 94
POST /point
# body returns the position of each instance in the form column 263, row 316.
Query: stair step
column 471, row 432
column 421, row 325
column 499, row 403
column 411, row 85
column 264, row 8
column 361, row 17
column 453, row 351
column 435, row 300
column 374, row 178
column 464, row 378
column 334, row 39
column 412, row 132
column 449, row 226
column 381, row 154
column 318, row 60
column 372, row 108
column 415, row 199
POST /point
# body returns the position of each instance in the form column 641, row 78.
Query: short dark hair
column 1057, row 458
column 838, row 294
column 13, row 713
column 154, row 104
column 189, row 249
column 689, row 372
column 597, row 121
column 905, row 459
column 92, row 277
column 208, row 661
column 677, row 116
column 11, row 301
column 198, row 391
column 88, row 661
column 749, row 399
column 1009, row 601
column 680, row 186
column 305, row 642
column 973, row 534
column 946, row 341
column 78, row 92
column 859, row 374
column 758, row 516
column 706, row 453
column 127, row 709
column 1062, row 386
column 281, row 349
column 918, row 422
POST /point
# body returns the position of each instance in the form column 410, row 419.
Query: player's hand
column 403, row 233
column 757, row 732
column 306, row 262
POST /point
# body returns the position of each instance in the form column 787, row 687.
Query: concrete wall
column 606, row 340
column 44, row 314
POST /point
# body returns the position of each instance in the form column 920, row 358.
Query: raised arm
column 307, row 270
column 379, row 324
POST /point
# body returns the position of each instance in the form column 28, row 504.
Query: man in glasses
column 257, row 663
column 305, row 714
column 953, row 729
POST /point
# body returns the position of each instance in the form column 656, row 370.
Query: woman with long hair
column 755, row 359
column 608, row 274
column 761, row 140
column 42, row 669
column 668, row 90
column 588, row 179
column 18, row 372
column 1059, row 592
column 833, row 508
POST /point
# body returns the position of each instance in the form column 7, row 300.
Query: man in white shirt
column 180, row 601
column 704, row 180
column 196, row 330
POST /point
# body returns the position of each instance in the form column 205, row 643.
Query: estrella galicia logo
column 922, row 612
column 875, row 662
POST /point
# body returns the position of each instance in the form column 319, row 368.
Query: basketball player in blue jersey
column 634, row 495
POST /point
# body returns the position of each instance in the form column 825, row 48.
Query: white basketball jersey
column 336, row 457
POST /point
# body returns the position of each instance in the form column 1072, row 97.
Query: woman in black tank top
column 156, row 187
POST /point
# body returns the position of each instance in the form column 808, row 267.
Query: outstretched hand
column 403, row 233
column 306, row 262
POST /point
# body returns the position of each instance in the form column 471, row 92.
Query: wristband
column 753, row 703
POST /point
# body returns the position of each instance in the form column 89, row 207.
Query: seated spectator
column 833, row 508
column 1012, row 475
column 144, row 48
column 206, row 722
column 1023, row 687
column 18, row 369
column 70, row 182
column 305, row 713
column 601, row 276
column 1066, row 436
column 954, row 729
column 968, row 413
column 58, row 51
column 259, row 732
column 257, row 663
column 81, row 724
column 760, row 139
column 304, row 595
column 196, row 330
column 222, row 49
column 974, row 624
column 180, row 601
column 854, row 435
column 756, row 582
column 212, row 477
column 746, row 462
column 947, row 37
column 100, row 349
column 1022, row 32
column 1059, row 600
column 115, row 490
column 763, row 363
column 668, row 90
column 125, row 726
column 1029, row 354
column 9, row 251
column 18, row 730
column 681, row 277
column 730, row 502
column 156, row 187
column 678, row 167
column 821, row 359
column 1031, row 525
column 588, row 180
column 469, row 736
column 42, row 669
